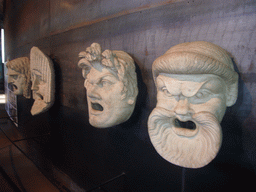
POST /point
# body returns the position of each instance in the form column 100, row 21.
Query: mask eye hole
column 202, row 94
column 199, row 95
column 166, row 92
column 105, row 83
column 15, row 77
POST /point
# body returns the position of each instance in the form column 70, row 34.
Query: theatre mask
column 111, row 85
column 19, row 76
column 43, row 81
column 195, row 83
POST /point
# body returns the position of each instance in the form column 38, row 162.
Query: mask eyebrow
column 36, row 72
column 159, row 82
column 171, row 84
column 214, row 85
column 189, row 88
column 109, row 77
column 13, row 72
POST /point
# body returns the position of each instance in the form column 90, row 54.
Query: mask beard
column 190, row 152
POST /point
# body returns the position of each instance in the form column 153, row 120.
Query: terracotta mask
column 195, row 83
column 43, row 82
column 19, row 76
column 111, row 85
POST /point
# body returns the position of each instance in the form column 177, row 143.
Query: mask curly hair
column 117, row 61
column 22, row 65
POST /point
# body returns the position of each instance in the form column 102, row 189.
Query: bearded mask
column 195, row 83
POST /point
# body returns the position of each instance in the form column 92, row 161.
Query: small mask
column 111, row 85
column 195, row 83
column 43, row 84
column 19, row 76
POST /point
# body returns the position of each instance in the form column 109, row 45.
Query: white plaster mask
column 43, row 82
column 111, row 84
column 106, row 102
column 195, row 82
column 38, row 92
column 16, row 81
column 184, row 127
column 19, row 76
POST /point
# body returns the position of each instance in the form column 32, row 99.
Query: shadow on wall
column 58, row 85
column 1, row 76
column 236, row 137
column 140, row 102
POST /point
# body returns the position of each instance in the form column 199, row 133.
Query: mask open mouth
column 12, row 87
column 97, row 106
column 37, row 96
column 185, row 124
column 185, row 128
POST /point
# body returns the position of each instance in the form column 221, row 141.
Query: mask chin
column 38, row 107
column 192, row 144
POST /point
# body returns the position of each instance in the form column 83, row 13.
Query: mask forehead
column 94, row 75
column 190, row 88
column 13, row 72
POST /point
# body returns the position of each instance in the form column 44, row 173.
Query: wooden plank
column 70, row 14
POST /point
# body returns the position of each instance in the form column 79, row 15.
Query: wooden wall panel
column 70, row 14
column 145, row 29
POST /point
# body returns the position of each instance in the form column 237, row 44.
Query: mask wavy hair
column 117, row 61
column 22, row 65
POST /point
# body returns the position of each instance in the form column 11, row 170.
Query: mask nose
column 10, row 79
column 92, row 91
column 34, row 85
column 183, row 107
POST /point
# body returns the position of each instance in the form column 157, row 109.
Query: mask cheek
column 215, row 106
column 166, row 103
column 42, row 89
column 16, row 87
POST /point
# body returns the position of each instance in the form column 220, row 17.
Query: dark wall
column 145, row 29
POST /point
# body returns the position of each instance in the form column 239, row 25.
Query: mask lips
column 13, row 87
column 184, row 128
column 37, row 96
column 185, row 124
